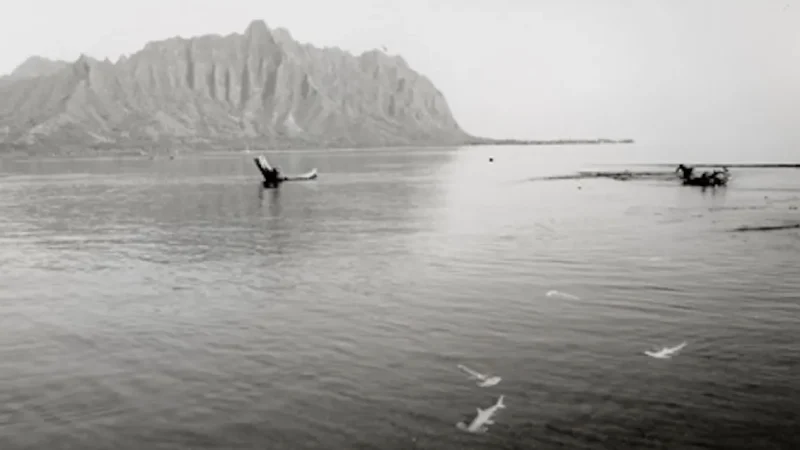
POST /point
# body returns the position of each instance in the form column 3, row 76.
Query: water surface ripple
column 176, row 305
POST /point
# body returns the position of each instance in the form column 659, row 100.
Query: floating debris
column 738, row 166
column 715, row 178
column 616, row 175
column 768, row 228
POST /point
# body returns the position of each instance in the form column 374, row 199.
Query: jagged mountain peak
column 215, row 90
column 257, row 28
column 36, row 66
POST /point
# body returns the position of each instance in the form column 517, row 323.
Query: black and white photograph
column 400, row 225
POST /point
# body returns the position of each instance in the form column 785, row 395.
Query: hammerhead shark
column 484, row 417
column 666, row 352
column 483, row 379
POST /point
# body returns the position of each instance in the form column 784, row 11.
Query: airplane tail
column 500, row 403
column 262, row 160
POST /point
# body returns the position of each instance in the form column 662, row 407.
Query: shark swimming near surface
column 562, row 295
column 666, row 352
column 484, row 418
column 484, row 380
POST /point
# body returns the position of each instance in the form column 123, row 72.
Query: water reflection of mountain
column 213, row 209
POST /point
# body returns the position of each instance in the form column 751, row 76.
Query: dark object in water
column 791, row 226
column 625, row 175
column 273, row 177
column 685, row 171
column 491, row 159
column 738, row 166
column 706, row 179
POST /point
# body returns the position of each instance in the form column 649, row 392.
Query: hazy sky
column 717, row 72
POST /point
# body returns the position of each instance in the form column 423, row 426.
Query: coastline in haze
column 224, row 92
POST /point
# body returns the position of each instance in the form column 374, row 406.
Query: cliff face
column 260, row 86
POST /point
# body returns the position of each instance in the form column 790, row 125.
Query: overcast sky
column 718, row 72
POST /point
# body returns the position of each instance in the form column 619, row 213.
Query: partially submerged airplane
column 484, row 417
column 666, row 352
column 273, row 176
column 484, row 380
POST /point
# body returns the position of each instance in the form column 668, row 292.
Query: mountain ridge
column 35, row 66
column 215, row 91
column 220, row 92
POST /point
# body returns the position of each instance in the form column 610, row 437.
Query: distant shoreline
column 95, row 150
column 600, row 141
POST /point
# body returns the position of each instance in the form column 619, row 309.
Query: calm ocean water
column 174, row 304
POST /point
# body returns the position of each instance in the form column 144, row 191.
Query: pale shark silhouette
column 563, row 295
column 666, row 352
column 484, row 418
column 484, row 380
